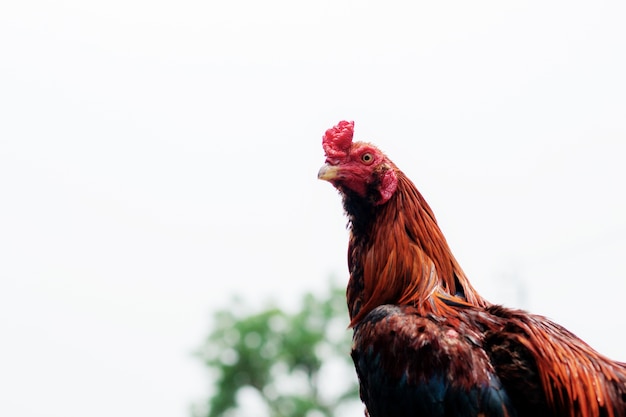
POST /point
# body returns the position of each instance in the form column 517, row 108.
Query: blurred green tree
column 281, row 364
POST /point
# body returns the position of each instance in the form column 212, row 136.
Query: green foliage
column 291, row 361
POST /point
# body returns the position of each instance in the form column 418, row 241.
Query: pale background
column 157, row 157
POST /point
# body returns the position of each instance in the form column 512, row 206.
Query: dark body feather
column 409, row 365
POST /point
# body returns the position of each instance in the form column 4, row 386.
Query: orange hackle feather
column 401, row 257
column 407, row 260
column 578, row 381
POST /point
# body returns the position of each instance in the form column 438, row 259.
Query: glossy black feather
column 410, row 365
column 475, row 362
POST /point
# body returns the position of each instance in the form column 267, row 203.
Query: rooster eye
column 367, row 158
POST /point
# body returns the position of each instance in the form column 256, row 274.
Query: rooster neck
column 398, row 255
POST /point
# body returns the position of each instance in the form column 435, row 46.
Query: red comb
column 338, row 139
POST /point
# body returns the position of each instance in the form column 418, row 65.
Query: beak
column 328, row 172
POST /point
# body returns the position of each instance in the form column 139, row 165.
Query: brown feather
column 405, row 259
column 577, row 380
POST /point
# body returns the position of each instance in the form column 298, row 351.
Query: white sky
column 158, row 157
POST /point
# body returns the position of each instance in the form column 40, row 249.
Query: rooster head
column 357, row 168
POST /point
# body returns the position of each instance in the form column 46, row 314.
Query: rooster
column 425, row 342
